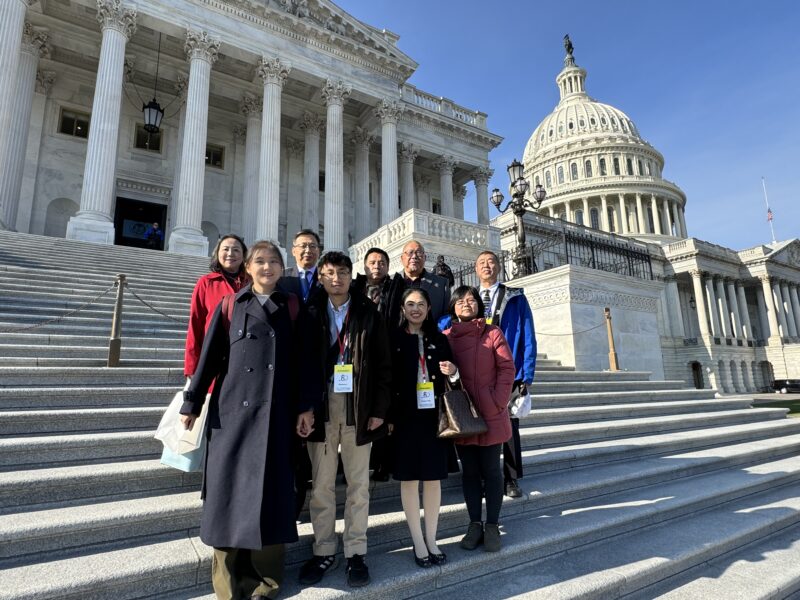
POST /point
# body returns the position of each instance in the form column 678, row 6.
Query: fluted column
column 733, row 307
column 623, row 215
column 666, row 216
column 744, row 315
column 273, row 74
column 676, row 219
column 34, row 45
column 788, row 309
column 388, row 111
column 587, row 218
column 408, row 154
column 724, row 313
column 445, row 165
column 777, row 302
column 568, row 212
column 700, row 302
column 459, row 193
column 481, row 177
column 656, row 216
column 716, row 328
column 640, row 215
column 551, row 211
column 251, row 108
column 93, row 222
column 682, row 218
column 604, row 213
column 187, row 236
column 763, row 315
column 674, row 308
column 795, row 300
column 311, row 124
column 335, row 94
column 294, row 188
column 422, row 183
column 769, row 306
column 362, row 140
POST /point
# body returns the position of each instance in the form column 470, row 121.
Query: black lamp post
column 152, row 111
column 523, row 265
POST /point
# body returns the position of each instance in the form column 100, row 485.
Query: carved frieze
column 584, row 295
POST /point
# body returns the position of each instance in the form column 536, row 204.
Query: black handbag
column 458, row 417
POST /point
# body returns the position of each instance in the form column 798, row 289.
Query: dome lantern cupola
column 572, row 80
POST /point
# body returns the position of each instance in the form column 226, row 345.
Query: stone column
column 716, row 328
column 251, row 108
column 94, row 222
column 568, row 212
column 666, row 216
column 34, row 45
column 181, row 86
column 656, row 216
column 724, row 313
column 676, row 219
column 769, row 306
column 551, row 211
column 312, row 125
column 788, row 309
column 640, row 215
column 187, row 236
column 335, row 95
column 623, row 215
column 446, row 165
column 423, row 183
column 362, row 140
column 604, row 213
column 408, row 155
column 700, row 302
column 795, row 299
column 294, row 189
column 388, row 111
column 763, row 317
column 674, row 308
column 587, row 217
column 744, row 315
column 273, row 74
column 481, row 177
column 777, row 302
column 682, row 218
column 733, row 306
column 459, row 193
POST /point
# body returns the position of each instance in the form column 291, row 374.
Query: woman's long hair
column 214, row 263
column 428, row 327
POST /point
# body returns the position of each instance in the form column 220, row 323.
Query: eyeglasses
column 413, row 253
column 308, row 246
column 464, row 301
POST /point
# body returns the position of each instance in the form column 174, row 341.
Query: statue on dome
column 568, row 45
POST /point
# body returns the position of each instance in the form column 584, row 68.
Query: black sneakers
column 512, row 489
column 315, row 568
column 357, row 572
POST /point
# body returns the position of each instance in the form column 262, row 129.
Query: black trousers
column 480, row 474
column 512, row 454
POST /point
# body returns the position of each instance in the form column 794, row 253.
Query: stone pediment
column 788, row 254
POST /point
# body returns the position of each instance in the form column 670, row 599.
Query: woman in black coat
column 253, row 347
column 421, row 360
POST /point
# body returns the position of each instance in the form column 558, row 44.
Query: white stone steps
column 567, row 400
column 39, row 338
column 577, row 455
column 740, row 534
column 83, row 420
column 543, row 386
column 554, row 435
column 163, row 329
column 594, row 376
column 174, row 276
column 12, row 398
column 78, row 288
column 87, row 352
column 83, row 376
column 133, row 310
column 73, row 300
column 22, row 361
column 96, row 323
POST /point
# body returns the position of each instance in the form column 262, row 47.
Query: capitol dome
column 597, row 169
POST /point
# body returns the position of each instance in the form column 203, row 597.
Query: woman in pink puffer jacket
column 486, row 368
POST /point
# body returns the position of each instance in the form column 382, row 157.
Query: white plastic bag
column 172, row 433
column 521, row 406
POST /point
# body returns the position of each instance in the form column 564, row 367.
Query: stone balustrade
column 442, row 106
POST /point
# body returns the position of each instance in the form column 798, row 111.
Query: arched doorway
column 697, row 375
column 58, row 214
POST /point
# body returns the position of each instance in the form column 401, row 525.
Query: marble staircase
column 634, row 488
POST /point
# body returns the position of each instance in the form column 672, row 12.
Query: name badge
column 342, row 379
column 488, row 320
column 425, row 397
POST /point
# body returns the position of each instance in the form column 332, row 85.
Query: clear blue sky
column 713, row 85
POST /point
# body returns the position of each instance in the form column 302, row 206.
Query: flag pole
column 769, row 212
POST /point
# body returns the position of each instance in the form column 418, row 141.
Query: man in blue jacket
column 508, row 308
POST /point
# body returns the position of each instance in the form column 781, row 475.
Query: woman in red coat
column 486, row 368
column 227, row 277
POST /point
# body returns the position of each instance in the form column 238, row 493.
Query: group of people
column 310, row 367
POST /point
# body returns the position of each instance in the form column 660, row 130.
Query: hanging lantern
column 153, row 113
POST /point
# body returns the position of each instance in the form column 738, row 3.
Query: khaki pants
column 324, row 462
column 239, row 573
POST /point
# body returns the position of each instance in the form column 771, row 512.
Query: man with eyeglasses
column 415, row 275
column 302, row 280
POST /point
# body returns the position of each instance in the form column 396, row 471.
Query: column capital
column 311, row 122
column 34, row 41
column 44, row 81
column 407, row 153
column 459, row 192
column 445, row 164
column 389, row 111
column 335, row 92
column 295, row 148
column 272, row 70
column 201, row 46
column 482, row 175
column 765, row 278
column 697, row 273
column 239, row 134
column 112, row 14
column 251, row 105
column 361, row 138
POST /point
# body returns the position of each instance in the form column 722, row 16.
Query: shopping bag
column 521, row 406
column 174, row 435
column 188, row 462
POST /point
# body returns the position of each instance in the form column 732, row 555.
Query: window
column 613, row 121
column 560, row 174
column 579, row 217
column 616, row 166
column 215, row 156
column 641, row 170
column 629, row 166
column 560, row 128
column 611, row 225
column 592, row 121
column 146, row 140
column 436, row 206
column 74, row 123
column 625, row 129
column 594, row 215
column 602, row 120
column 571, row 125
column 550, row 133
column 587, row 168
column 603, row 171
column 573, row 171
column 582, row 123
column 548, row 182
column 649, row 168
column 650, row 220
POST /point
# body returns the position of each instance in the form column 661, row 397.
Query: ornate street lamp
column 152, row 111
column 523, row 264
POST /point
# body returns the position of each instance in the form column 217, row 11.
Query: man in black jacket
column 415, row 275
column 357, row 366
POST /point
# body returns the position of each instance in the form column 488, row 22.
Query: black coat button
column 250, row 336
column 249, row 369
column 245, row 403
column 271, row 334
column 240, row 332
column 270, row 367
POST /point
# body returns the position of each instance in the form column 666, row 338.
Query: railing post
column 115, row 341
column 613, row 361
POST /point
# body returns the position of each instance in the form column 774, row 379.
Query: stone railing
column 442, row 106
column 707, row 248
